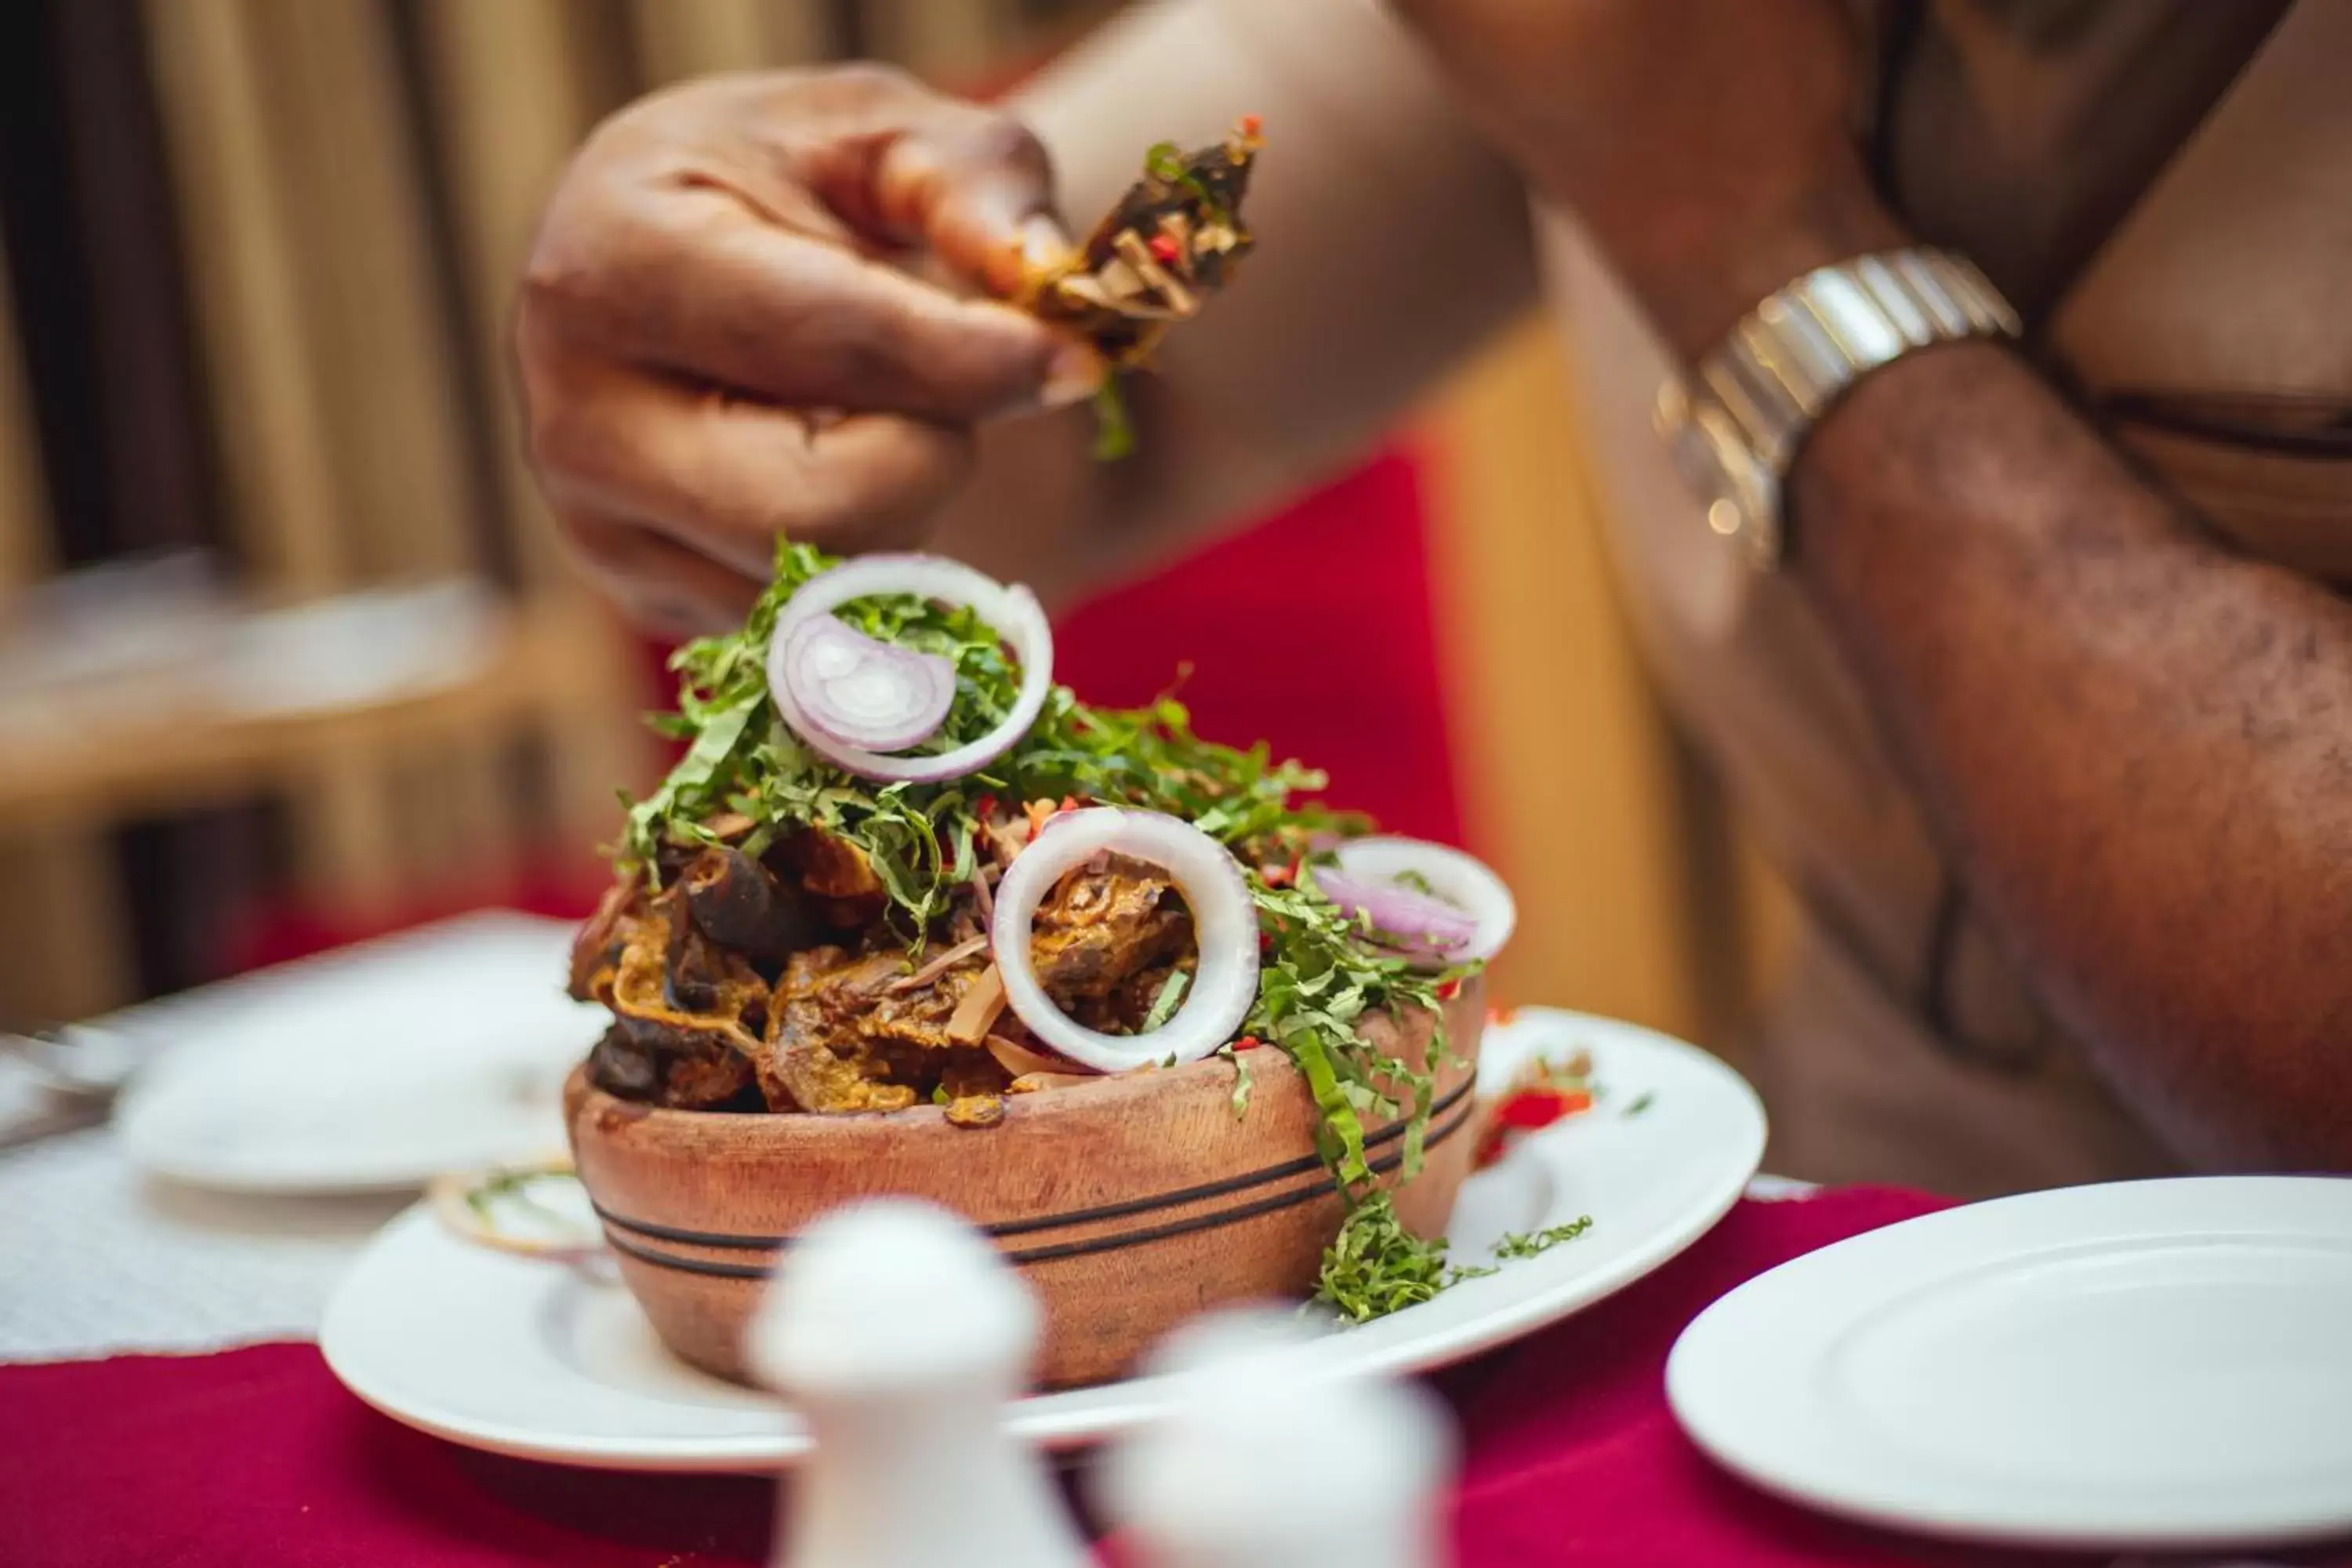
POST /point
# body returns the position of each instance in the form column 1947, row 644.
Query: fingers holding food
column 730, row 328
column 693, row 281
column 725, row 475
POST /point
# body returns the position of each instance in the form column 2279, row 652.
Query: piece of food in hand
column 1005, row 955
column 1173, row 240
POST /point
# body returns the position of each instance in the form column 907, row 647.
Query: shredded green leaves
column 1377, row 1266
column 1163, row 1006
column 1318, row 979
column 1526, row 1244
column 1113, row 431
column 1240, row 1081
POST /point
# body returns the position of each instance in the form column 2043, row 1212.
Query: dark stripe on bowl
column 1385, row 1163
column 1231, row 1184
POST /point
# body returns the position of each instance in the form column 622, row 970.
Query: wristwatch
column 1736, row 423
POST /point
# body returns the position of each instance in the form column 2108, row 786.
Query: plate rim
column 1066, row 1429
column 1690, row 1393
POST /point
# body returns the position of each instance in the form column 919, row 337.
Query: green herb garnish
column 1114, row 432
column 1524, row 1243
column 1163, row 1006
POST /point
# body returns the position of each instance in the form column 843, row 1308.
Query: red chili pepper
column 1250, row 123
column 984, row 807
column 1070, row 803
column 1163, row 247
column 1265, row 942
column 1277, row 876
column 1246, row 1043
column 1449, row 991
column 1531, row 1109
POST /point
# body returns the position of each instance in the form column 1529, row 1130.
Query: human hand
column 722, row 337
column 1707, row 146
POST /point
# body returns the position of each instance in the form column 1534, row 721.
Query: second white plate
column 375, row 1067
column 2148, row 1365
column 525, row 1357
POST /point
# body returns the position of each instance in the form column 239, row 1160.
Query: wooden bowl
column 1131, row 1202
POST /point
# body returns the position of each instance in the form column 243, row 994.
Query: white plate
column 534, row 1359
column 2148, row 1365
column 442, row 1049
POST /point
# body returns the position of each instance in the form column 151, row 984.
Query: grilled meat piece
column 865, row 1034
column 835, row 874
column 1100, row 926
column 1124, row 1007
column 598, row 946
column 699, row 1055
column 619, row 1067
column 694, row 971
column 814, row 1058
column 737, row 904
column 669, row 1064
column 975, row 1086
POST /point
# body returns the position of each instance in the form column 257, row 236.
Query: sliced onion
column 1224, row 925
column 1403, row 920
column 1481, row 907
column 1012, row 611
column 860, row 691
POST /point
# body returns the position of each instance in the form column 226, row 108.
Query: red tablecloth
column 258, row 1457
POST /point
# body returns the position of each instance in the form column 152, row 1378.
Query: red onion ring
column 1224, row 925
column 860, row 691
column 1010, row 610
column 1464, row 886
column 1403, row 920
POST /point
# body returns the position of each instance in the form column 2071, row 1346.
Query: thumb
column 977, row 189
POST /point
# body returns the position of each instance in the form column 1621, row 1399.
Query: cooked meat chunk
column 865, row 1034
column 975, row 1086
column 598, row 946
column 618, row 1067
column 737, row 904
column 670, row 1064
column 1126, row 1006
column 694, row 971
column 839, row 880
column 1103, row 924
column 677, row 1042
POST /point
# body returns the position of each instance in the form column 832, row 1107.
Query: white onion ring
column 1461, row 881
column 860, row 691
column 1224, row 925
column 1012, row 611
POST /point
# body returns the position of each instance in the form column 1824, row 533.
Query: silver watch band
column 1736, row 425
column 1787, row 363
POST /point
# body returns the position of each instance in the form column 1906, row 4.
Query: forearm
column 1390, row 243
column 2137, row 746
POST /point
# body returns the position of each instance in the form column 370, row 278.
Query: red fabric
column 1313, row 631
column 258, row 1456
